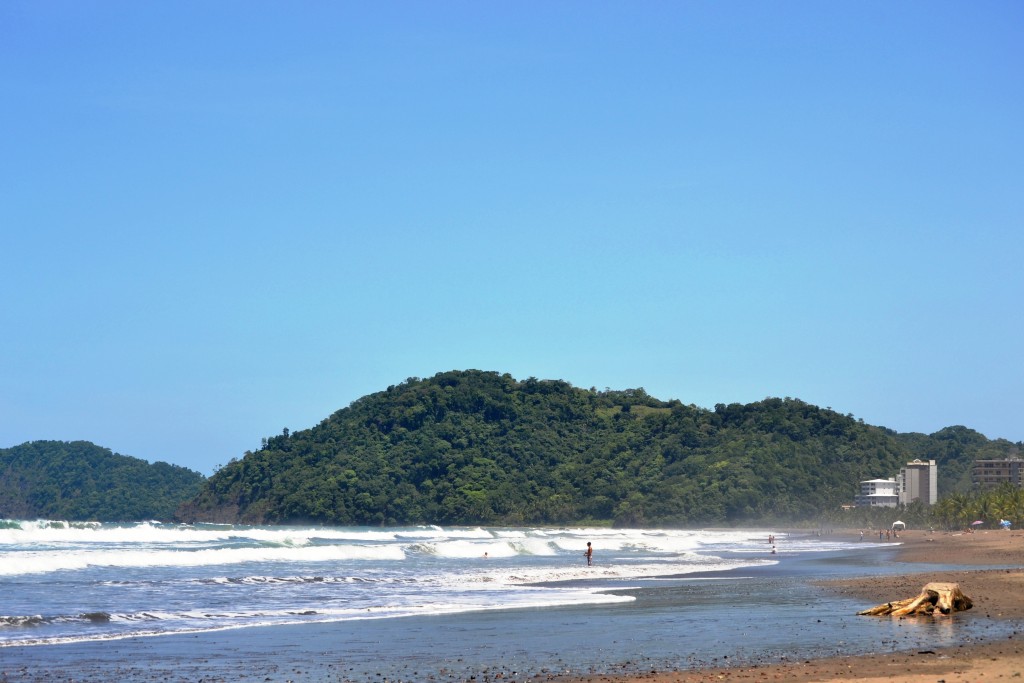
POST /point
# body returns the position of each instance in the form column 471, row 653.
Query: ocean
column 325, row 603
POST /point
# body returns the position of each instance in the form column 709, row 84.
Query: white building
column 878, row 493
column 919, row 481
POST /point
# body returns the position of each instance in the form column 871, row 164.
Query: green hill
column 478, row 447
column 81, row 481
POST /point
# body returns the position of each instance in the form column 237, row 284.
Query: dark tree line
column 471, row 447
column 81, row 481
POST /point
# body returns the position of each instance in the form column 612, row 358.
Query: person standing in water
column 589, row 554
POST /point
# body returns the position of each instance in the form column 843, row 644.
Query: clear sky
column 221, row 219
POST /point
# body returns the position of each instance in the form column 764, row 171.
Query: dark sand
column 998, row 593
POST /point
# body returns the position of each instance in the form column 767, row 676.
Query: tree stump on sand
column 942, row 597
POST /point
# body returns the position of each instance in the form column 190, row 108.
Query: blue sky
column 218, row 220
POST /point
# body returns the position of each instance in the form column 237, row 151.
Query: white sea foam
column 575, row 544
column 195, row 622
column 35, row 562
column 509, row 533
column 534, row 546
column 466, row 549
column 42, row 532
column 491, row 547
column 47, row 532
column 604, row 572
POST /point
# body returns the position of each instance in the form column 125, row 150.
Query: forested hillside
column 479, row 447
column 81, row 481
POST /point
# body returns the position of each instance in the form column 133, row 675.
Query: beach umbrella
column 1004, row 523
column 977, row 522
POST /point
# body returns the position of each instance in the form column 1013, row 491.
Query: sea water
column 62, row 582
column 379, row 600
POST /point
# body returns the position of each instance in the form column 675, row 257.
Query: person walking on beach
column 589, row 554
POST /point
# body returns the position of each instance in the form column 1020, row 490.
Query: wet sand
column 998, row 593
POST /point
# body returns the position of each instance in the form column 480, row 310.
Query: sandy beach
column 998, row 593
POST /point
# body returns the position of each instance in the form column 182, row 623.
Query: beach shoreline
column 812, row 597
column 989, row 572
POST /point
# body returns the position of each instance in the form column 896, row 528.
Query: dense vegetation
column 479, row 447
column 79, row 480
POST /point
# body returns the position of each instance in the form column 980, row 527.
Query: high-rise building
column 918, row 480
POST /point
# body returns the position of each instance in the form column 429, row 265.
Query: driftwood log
column 944, row 598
